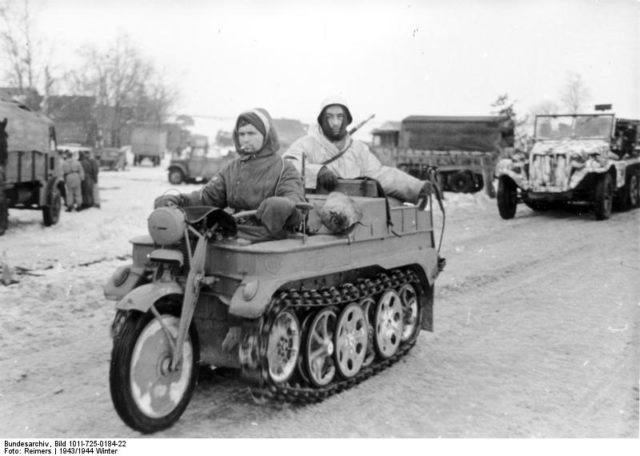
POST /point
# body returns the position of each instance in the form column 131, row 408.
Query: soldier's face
column 250, row 139
column 334, row 115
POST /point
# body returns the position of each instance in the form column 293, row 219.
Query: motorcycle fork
column 191, row 292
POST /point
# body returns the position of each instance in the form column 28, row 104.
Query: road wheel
column 411, row 317
column 283, row 346
column 176, row 176
column 351, row 340
column 507, row 198
column 369, row 308
column 51, row 212
column 319, row 348
column 147, row 393
column 388, row 324
column 461, row 182
column 603, row 197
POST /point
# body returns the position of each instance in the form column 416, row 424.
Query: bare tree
column 544, row 107
column 126, row 85
column 29, row 69
column 504, row 106
column 574, row 95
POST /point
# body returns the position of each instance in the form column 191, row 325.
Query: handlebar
column 242, row 214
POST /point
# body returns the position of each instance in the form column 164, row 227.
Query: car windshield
column 574, row 126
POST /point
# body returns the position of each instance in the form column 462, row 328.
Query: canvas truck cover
column 27, row 130
column 148, row 141
column 469, row 133
column 29, row 144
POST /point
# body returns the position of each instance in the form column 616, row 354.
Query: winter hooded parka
column 357, row 161
column 261, row 181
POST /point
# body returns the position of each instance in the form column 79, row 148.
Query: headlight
column 166, row 225
column 578, row 160
column 121, row 276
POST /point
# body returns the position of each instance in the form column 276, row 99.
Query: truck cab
column 197, row 163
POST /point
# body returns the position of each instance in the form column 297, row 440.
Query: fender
column 143, row 297
column 253, row 295
column 179, row 166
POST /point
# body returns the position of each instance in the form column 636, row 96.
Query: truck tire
column 630, row 197
column 636, row 196
column 507, row 198
column 176, row 176
column 603, row 197
column 461, row 182
column 51, row 212
column 4, row 215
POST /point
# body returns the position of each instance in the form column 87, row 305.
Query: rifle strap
column 339, row 154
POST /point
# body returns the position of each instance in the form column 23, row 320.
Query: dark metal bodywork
column 463, row 149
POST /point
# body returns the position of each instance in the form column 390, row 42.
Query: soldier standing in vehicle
column 331, row 153
column 73, row 177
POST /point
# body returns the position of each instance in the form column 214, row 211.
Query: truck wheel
column 51, row 212
column 603, row 197
column 147, row 394
column 636, row 195
column 507, row 198
column 176, row 176
column 631, row 197
column 462, row 182
column 4, row 216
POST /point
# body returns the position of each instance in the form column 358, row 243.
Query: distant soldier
column 95, row 169
column 73, row 177
column 88, row 181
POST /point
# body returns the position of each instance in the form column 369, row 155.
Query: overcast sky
column 392, row 58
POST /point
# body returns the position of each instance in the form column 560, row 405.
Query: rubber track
column 305, row 299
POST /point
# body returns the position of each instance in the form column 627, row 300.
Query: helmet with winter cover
column 334, row 100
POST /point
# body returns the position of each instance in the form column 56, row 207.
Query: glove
column 327, row 179
column 274, row 213
column 426, row 190
column 232, row 339
column 167, row 200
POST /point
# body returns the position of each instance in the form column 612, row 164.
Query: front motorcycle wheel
column 146, row 392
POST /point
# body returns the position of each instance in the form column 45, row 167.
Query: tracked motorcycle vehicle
column 319, row 311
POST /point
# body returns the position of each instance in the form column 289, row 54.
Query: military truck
column 197, row 163
column 575, row 158
column 30, row 167
column 148, row 143
column 464, row 150
column 112, row 158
